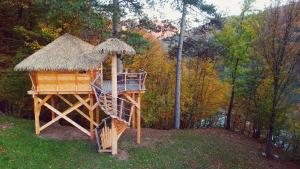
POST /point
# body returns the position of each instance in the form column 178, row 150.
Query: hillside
column 207, row 148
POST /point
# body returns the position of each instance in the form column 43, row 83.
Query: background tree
column 236, row 39
column 28, row 25
column 116, row 10
column 183, row 6
column 279, row 46
column 203, row 91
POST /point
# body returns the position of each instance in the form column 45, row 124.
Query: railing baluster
column 121, row 109
column 140, row 81
column 125, row 81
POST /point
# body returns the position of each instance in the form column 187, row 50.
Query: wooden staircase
column 119, row 116
column 119, row 110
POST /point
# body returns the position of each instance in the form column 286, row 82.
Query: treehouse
column 69, row 68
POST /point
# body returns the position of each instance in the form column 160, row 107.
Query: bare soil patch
column 59, row 132
column 149, row 137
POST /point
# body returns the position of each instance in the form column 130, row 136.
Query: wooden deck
column 124, row 88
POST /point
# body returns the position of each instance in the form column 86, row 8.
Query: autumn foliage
column 203, row 93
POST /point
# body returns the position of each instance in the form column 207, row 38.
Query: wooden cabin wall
column 62, row 81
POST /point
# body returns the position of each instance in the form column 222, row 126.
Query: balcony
column 126, row 82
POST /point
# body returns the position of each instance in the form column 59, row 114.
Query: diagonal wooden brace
column 64, row 116
column 42, row 102
column 83, row 102
column 78, row 110
column 136, row 104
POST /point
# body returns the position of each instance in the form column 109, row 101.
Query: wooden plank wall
column 62, row 81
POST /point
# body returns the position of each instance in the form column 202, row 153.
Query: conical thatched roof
column 66, row 53
column 114, row 45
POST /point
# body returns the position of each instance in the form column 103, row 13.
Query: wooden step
column 121, row 127
column 106, row 133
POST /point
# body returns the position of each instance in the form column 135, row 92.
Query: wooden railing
column 131, row 81
column 121, row 111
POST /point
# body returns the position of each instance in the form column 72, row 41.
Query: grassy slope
column 20, row 148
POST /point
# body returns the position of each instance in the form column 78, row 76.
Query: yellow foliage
column 158, row 101
column 203, row 93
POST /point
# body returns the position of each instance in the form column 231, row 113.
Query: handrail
column 121, row 111
column 126, row 81
column 130, row 79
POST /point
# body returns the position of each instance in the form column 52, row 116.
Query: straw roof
column 66, row 53
column 114, row 45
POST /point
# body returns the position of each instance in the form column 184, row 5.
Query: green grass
column 20, row 148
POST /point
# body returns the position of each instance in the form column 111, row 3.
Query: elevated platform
column 133, row 87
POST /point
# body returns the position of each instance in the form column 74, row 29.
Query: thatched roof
column 66, row 53
column 114, row 45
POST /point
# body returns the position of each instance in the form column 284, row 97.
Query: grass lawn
column 208, row 148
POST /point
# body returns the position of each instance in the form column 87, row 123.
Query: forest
column 239, row 73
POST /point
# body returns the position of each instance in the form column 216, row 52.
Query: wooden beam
column 64, row 116
column 132, row 100
column 32, row 92
column 133, row 122
column 83, row 102
column 44, row 101
column 52, row 104
column 97, row 115
column 36, row 115
column 138, row 121
column 91, row 112
column 96, row 105
column 78, row 110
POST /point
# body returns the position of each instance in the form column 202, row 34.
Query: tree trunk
column 256, row 129
column 178, row 68
column 230, row 107
column 116, row 19
column 117, row 29
column 268, row 150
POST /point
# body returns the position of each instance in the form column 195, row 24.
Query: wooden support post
column 37, row 110
column 91, row 112
column 133, row 113
column 97, row 115
column 138, row 121
column 114, row 93
column 114, row 83
column 114, row 138
column 53, row 105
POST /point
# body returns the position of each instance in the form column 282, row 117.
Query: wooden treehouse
column 70, row 69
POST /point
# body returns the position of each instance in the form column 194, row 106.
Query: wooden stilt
column 138, row 121
column 91, row 112
column 114, row 93
column 114, row 138
column 97, row 115
column 133, row 120
column 53, row 105
column 36, row 115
